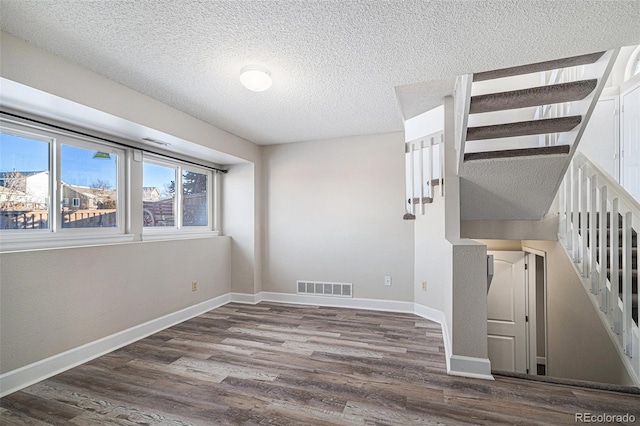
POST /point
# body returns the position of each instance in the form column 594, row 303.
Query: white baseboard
column 338, row 302
column 29, row 374
column 466, row 366
column 436, row 316
column 247, row 298
column 22, row 377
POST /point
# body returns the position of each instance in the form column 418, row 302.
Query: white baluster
column 413, row 179
column 627, row 337
column 614, row 279
column 441, row 152
column 593, row 234
column 568, row 209
column 421, row 175
column 602, row 281
column 576, row 211
column 583, row 257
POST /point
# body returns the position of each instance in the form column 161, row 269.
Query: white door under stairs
column 506, row 310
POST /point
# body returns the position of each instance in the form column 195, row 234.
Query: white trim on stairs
column 22, row 377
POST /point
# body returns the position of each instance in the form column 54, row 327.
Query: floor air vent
column 317, row 288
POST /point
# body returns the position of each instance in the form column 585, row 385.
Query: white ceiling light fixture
column 255, row 78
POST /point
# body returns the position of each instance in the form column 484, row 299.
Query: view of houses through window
column 53, row 181
column 87, row 179
column 163, row 205
column 24, row 182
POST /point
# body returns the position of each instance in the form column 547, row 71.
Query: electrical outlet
column 424, row 286
column 387, row 280
column 194, row 285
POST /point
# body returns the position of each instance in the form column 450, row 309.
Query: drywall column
column 237, row 216
column 468, row 326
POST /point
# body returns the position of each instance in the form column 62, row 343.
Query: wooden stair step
column 522, row 152
column 524, row 98
column 569, row 382
column 523, row 128
column 572, row 61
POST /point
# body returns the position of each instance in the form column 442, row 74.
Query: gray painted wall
column 238, row 210
column 334, row 213
column 578, row 344
column 55, row 300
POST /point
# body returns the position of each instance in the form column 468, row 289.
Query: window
column 194, row 198
column 158, row 196
column 54, row 186
column 61, row 189
column 25, row 188
column 89, row 176
column 186, row 209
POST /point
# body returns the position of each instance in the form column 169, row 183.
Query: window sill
column 50, row 240
column 177, row 235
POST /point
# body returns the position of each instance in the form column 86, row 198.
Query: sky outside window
column 159, row 177
column 82, row 167
column 23, row 154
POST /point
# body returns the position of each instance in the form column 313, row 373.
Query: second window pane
column 158, row 195
column 89, row 180
column 194, row 201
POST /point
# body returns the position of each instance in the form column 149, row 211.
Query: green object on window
column 104, row 155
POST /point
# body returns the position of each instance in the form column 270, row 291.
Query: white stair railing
column 589, row 198
column 424, row 168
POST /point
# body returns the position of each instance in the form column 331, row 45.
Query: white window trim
column 179, row 231
column 121, row 185
column 55, row 236
column 46, row 239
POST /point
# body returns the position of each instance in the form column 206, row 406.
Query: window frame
column 55, row 235
column 179, row 230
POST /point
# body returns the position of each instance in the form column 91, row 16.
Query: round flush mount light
column 255, row 77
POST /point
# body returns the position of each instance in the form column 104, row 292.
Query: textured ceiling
column 336, row 64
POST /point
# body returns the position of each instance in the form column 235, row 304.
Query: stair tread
column 523, row 128
column 538, row 67
column 569, row 382
column 522, row 152
column 534, row 96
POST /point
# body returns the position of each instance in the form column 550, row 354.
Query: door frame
column 530, row 305
column 625, row 90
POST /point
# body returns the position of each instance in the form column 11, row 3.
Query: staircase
column 516, row 134
column 515, row 145
column 599, row 226
column 617, row 251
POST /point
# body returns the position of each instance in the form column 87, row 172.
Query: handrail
column 462, row 103
column 593, row 206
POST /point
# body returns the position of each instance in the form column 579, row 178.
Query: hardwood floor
column 294, row 365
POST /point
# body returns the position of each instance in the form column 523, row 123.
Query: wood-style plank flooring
column 283, row 364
